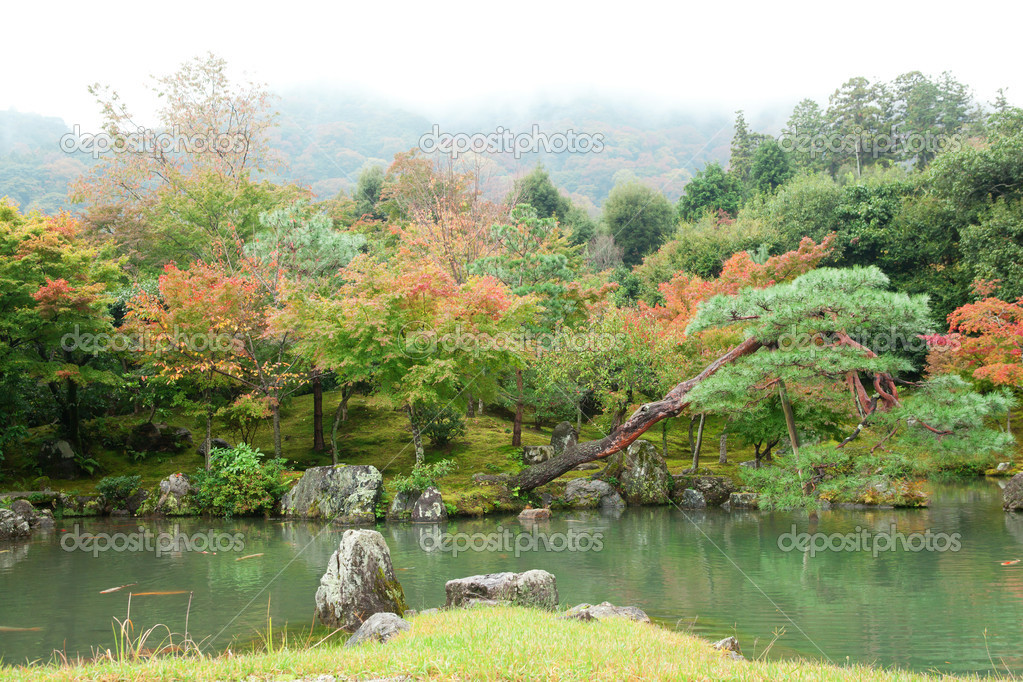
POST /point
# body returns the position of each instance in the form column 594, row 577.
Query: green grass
column 480, row 644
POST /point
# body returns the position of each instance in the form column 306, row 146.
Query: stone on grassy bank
column 173, row 497
column 344, row 494
column 604, row 610
column 380, row 627
column 359, row 582
column 563, row 437
column 534, row 588
column 535, row 454
column 715, row 489
column 57, row 460
column 641, row 472
column 158, row 437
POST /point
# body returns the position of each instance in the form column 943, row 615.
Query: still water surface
column 715, row 572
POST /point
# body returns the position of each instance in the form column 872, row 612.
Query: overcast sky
column 437, row 55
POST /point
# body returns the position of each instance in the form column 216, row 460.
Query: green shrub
column 422, row 476
column 240, row 482
column 117, row 489
column 440, row 424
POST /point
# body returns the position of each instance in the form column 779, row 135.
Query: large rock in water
column 564, row 437
column 715, row 489
column 380, row 627
column 344, row 494
column 642, row 473
column 429, row 508
column 38, row 519
column 532, row 588
column 57, row 460
column 359, row 582
column 13, row 526
column 158, row 437
column 1012, row 496
column 582, row 493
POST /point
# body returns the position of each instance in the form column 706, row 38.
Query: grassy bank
column 495, row 643
column 375, row 434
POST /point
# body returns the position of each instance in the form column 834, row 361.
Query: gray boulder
column 563, row 437
column 692, row 499
column 582, row 493
column 535, row 454
column 429, row 508
column 1012, row 496
column 742, row 501
column 359, row 582
column 730, row 645
column 402, row 505
column 13, row 526
column 158, row 437
column 57, row 460
column 345, row 494
column 533, row 588
column 534, row 515
column 218, row 444
column 174, row 497
column 715, row 489
column 605, row 610
column 642, row 473
column 38, row 519
column 380, row 627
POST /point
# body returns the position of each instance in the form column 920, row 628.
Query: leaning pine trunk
column 671, row 405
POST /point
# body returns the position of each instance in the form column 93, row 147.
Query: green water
column 714, row 572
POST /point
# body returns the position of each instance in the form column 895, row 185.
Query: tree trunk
column 209, row 434
column 318, row 444
column 664, row 439
column 470, row 410
column 417, row 437
column 790, row 420
column 340, row 415
column 278, row 448
column 578, row 419
column 671, row 405
column 699, row 442
column 723, row 448
column 517, row 426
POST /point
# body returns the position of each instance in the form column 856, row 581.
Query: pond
column 950, row 605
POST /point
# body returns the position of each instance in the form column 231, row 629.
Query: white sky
column 436, row 55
